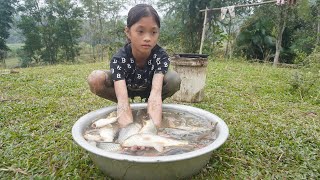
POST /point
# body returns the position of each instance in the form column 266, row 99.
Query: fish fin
column 158, row 147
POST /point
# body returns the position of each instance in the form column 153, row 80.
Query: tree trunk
column 101, row 31
column 318, row 30
column 228, row 47
column 281, row 26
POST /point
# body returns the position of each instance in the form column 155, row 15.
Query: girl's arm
column 124, row 109
column 155, row 99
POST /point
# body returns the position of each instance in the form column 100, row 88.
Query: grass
column 273, row 133
column 12, row 62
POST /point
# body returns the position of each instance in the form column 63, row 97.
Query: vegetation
column 272, row 113
column 6, row 15
column 274, row 133
column 259, row 35
column 51, row 30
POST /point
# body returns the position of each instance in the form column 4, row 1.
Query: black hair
column 139, row 11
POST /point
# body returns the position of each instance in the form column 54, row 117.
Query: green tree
column 102, row 23
column 51, row 31
column 189, row 21
column 280, row 32
column 6, row 15
column 255, row 40
column 69, row 28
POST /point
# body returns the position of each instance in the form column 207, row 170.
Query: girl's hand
column 124, row 112
column 155, row 99
column 125, row 115
column 155, row 109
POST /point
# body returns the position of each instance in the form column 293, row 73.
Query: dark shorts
column 171, row 84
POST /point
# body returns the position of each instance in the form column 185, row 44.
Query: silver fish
column 92, row 137
column 151, row 140
column 149, row 127
column 190, row 133
column 103, row 122
column 108, row 133
column 176, row 150
column 128, row 131
column 105, row 134
column 112, row 147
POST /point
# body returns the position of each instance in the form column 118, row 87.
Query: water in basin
column 187, row 131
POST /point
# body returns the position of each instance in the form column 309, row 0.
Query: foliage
column 51, row 31
column 103, row 27
column 273, row 134
column 306, row 80
column 299, row 35
column 188, row 20
column 6, row 15
column 255, row 40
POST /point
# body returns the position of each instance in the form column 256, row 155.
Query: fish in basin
column 152, row 140
column 190, row 133
column 106, row 133
column 146, row 136
column 178, row 134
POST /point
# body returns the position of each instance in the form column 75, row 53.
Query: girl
column 140, row 68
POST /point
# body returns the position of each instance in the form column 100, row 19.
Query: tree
column 102, row 17
column 293, row 28
column 189, row 20
column 255, row 40
column 6, row 15
column 69, row 26
column 51, row 30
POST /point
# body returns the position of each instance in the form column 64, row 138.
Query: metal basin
column 121, row 166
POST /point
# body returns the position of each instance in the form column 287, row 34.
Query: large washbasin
column 121, row 166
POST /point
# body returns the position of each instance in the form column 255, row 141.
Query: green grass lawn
column 273, row 133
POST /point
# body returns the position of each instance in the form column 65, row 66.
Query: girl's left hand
column 155, row 109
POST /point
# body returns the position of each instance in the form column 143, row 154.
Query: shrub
column 306, row 81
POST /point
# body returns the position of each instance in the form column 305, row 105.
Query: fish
column 151, row 140
column 190, row 133
column 148, row 127
column 176, row 150
column 105, row 134
column 128, row 131
column 108, row 132
column 135, row 128
column 109, row 146
column 103, row 122
column 92, row 137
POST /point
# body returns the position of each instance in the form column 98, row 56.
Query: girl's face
column 143, row 35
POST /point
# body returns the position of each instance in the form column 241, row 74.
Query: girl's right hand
column 124, row 112
column 125, row 116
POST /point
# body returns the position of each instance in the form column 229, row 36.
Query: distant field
column 12, row 62
column 14, row 47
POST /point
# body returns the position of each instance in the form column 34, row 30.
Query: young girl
column 140, row 68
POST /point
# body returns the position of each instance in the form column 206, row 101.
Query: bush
column 306, row 81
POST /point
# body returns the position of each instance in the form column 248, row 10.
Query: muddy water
column 198, row 131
